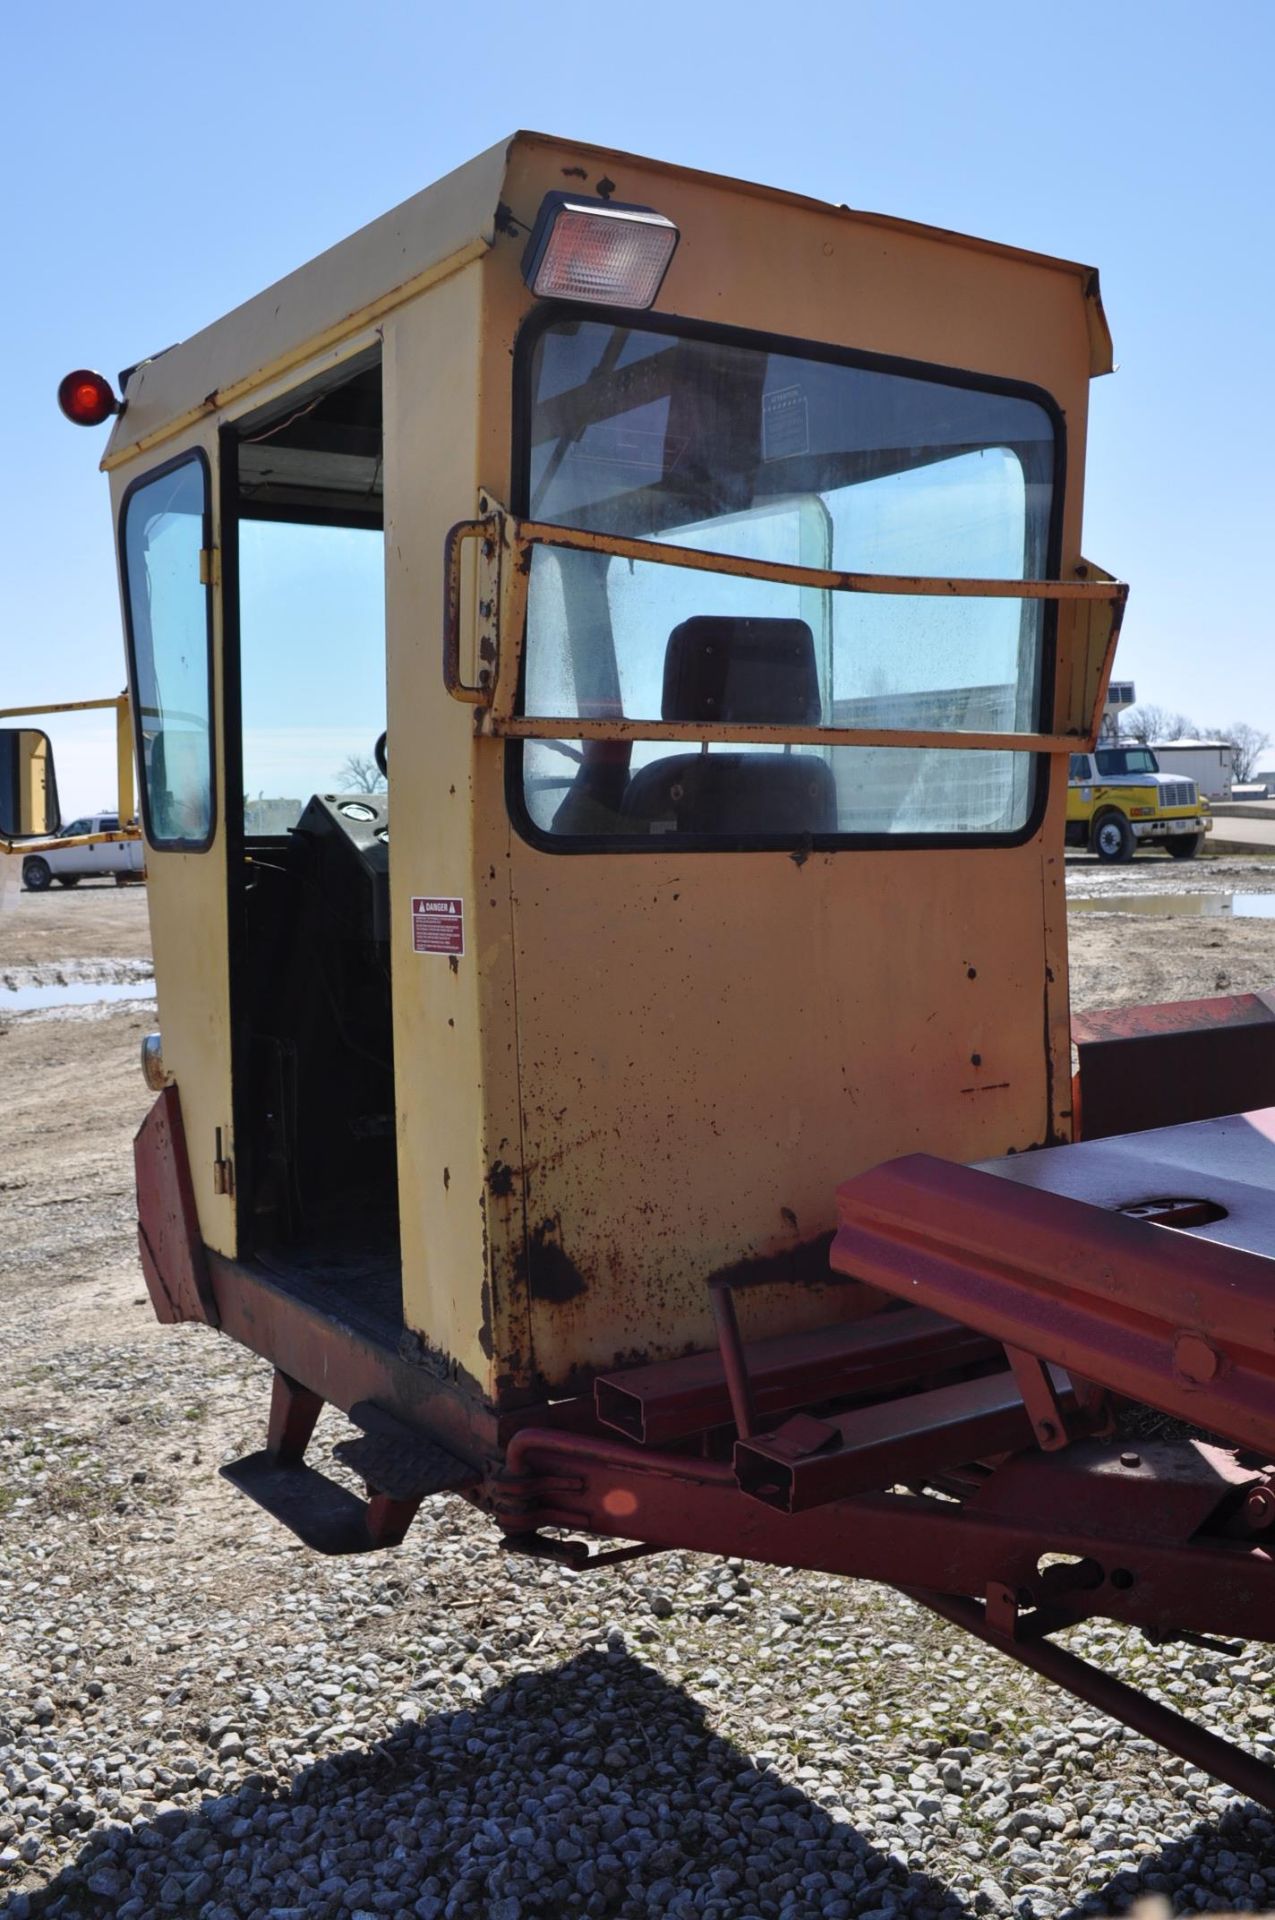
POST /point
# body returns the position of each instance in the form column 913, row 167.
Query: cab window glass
column 1079, row 766
column 731, row 449
column 1115, row 761
column 165, row 530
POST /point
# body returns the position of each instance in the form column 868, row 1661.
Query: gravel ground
column 197, row 1717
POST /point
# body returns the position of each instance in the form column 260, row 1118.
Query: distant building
column 1210, row 763
column 271, row 816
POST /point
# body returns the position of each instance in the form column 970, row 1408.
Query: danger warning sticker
column 438, row 926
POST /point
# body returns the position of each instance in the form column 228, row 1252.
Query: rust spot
column 453, row 963
column 417, row 1351
column 971, row 973
column 575, row 173
column 606, row 187
column 500, row 1180
column 551, row 1273
column 805, row 1265
column 485, row 1339
column 787, row 1214
column 447, row 1178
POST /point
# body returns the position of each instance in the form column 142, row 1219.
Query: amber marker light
column 87, row 398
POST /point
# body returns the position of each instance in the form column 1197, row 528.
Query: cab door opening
column 313, row 1063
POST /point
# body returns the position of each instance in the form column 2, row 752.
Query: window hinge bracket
column 223, row 1169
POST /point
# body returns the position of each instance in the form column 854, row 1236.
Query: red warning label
column 438, row 926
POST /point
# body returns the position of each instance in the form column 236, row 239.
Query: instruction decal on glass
column 438, row 925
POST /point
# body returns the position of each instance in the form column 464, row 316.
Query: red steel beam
column 676, row 1398
column 1166, row 1318
column 1159, row 1066
column 810, row 1462
column 1200, row 1583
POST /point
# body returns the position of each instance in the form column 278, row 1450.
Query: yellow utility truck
column 1119, row 801
column 701, row 564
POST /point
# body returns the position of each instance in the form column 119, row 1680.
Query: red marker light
column 87, row 398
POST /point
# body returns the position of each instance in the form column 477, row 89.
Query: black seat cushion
column 734, row 793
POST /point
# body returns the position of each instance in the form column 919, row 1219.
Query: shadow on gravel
column 1221, row 1866
column 596, row 1788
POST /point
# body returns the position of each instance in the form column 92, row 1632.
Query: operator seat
column 739, row 671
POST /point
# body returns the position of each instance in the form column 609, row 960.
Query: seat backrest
column 718, row 667
column 737, row 671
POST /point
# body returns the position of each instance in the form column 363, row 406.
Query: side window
column 1079, row 766
column 168, row 612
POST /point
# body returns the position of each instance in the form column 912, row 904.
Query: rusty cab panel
column 734, row 866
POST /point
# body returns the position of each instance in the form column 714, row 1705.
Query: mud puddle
column 1198, row 906
column 76, row 993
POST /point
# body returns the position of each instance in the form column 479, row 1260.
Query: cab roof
column 426, row 238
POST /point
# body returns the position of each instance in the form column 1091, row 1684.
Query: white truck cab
column 121, row 860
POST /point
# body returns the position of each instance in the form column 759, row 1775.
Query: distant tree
column 1250, row 744
column 359, row 773
column 1146, row 724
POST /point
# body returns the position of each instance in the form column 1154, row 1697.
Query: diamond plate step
column 399, row 1461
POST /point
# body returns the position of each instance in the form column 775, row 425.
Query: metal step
column 322, row 1514
column 399, row 1466
column 399, row 1461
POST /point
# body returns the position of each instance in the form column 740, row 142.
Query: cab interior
column 309, row 911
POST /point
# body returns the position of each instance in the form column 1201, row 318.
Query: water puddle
column 1200, row 906
column 80, row 993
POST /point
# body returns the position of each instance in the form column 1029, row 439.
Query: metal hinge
column 209, row 567
column 223, row 1169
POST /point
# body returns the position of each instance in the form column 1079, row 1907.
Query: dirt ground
column 1123, row 959
column 118, row 1425
column 70, row 930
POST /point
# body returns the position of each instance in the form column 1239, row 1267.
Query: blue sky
column 161, row 164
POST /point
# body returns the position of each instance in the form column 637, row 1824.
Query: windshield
column 807, row 461
column 1115, row 761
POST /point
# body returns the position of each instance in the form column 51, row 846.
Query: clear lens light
column 616, row 258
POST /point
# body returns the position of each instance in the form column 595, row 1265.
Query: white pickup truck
column 121, row 860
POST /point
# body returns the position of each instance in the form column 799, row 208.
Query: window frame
column 545, row 315
column 199, row 457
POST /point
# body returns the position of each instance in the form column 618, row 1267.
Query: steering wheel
column 380, row 754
